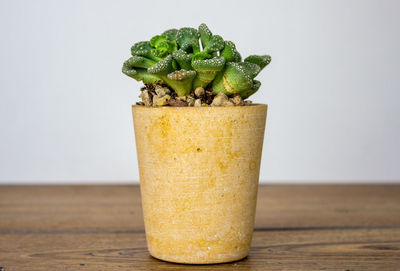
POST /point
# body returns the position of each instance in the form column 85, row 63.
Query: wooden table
column 301, row 227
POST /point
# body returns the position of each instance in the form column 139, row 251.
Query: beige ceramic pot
column 199, row 170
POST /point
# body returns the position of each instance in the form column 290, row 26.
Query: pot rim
column 197, row 107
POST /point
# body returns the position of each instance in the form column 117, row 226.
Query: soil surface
column 162, row 95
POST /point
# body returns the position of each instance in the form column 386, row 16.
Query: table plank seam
column 142, row 231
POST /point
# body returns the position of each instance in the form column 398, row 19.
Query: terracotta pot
column 199, row 170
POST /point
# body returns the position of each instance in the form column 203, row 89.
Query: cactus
column 176, row 59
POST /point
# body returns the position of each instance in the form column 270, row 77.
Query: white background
column 333, row 86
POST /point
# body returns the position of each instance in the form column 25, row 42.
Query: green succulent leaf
column 191, row 47
column 181, row 75
column 140, row 62
column 175, row 65
column 159, row 53
column 230, row 53
column 162, row 46
column 184, row 59
column 139, row 74
column 216, row 43
column 252, row 69
column 167, row 46
column 188, row 39
column 156, row 40
column 171, row 34
column 173, row 46
column 205, row 35
column 207, row 70
column 181, row 81
column 233, row 80
column 162, row 67
column 261, row 61
column 144, row 49
column 141, row 48
column 201, row 56
column 246, row 94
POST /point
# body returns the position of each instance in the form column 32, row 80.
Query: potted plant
column 199, row 144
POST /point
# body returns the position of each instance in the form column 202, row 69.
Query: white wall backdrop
column 333, row 86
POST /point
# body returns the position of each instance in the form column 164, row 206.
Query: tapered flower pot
column 199, row 169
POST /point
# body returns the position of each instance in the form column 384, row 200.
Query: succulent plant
column 177, row 59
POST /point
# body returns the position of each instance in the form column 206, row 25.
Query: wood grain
column 297, row 228
column 364, row 249
column 117, row 208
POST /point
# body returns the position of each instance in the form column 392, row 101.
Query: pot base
column 199, row 261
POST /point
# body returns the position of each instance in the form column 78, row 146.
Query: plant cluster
column 177, row 59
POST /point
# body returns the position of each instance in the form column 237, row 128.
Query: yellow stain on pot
column 199, row 169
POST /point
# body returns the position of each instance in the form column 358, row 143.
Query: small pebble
column 237, row 100
column 162, row 91
column 199, row 92
column 197, row 103
column 220, row 99
column 190, row 100
column 160, row 101
column 248, row 102
column 155, row 98
column 146, row 98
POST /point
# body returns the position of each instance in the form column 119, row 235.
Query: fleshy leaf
column 162, row 67
column 201, row 56
column 251, row 68
column 246, row 94
column 184, row 60
column 205, row 35
column 261, row 61
column 230, row 53
column 140, row 62
column 173, row 46
column 171, row 34
column 233, row 80
column 216, row 43
column 191, row 47
column 156, row 40
column 159, row 53
column 188, row 39
column 140, row 48
column 175, row 65
column 168, row 46
column 181, row 81
column 143, row 48
column 207, row 70
column 139, row 74
column 162, row 46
